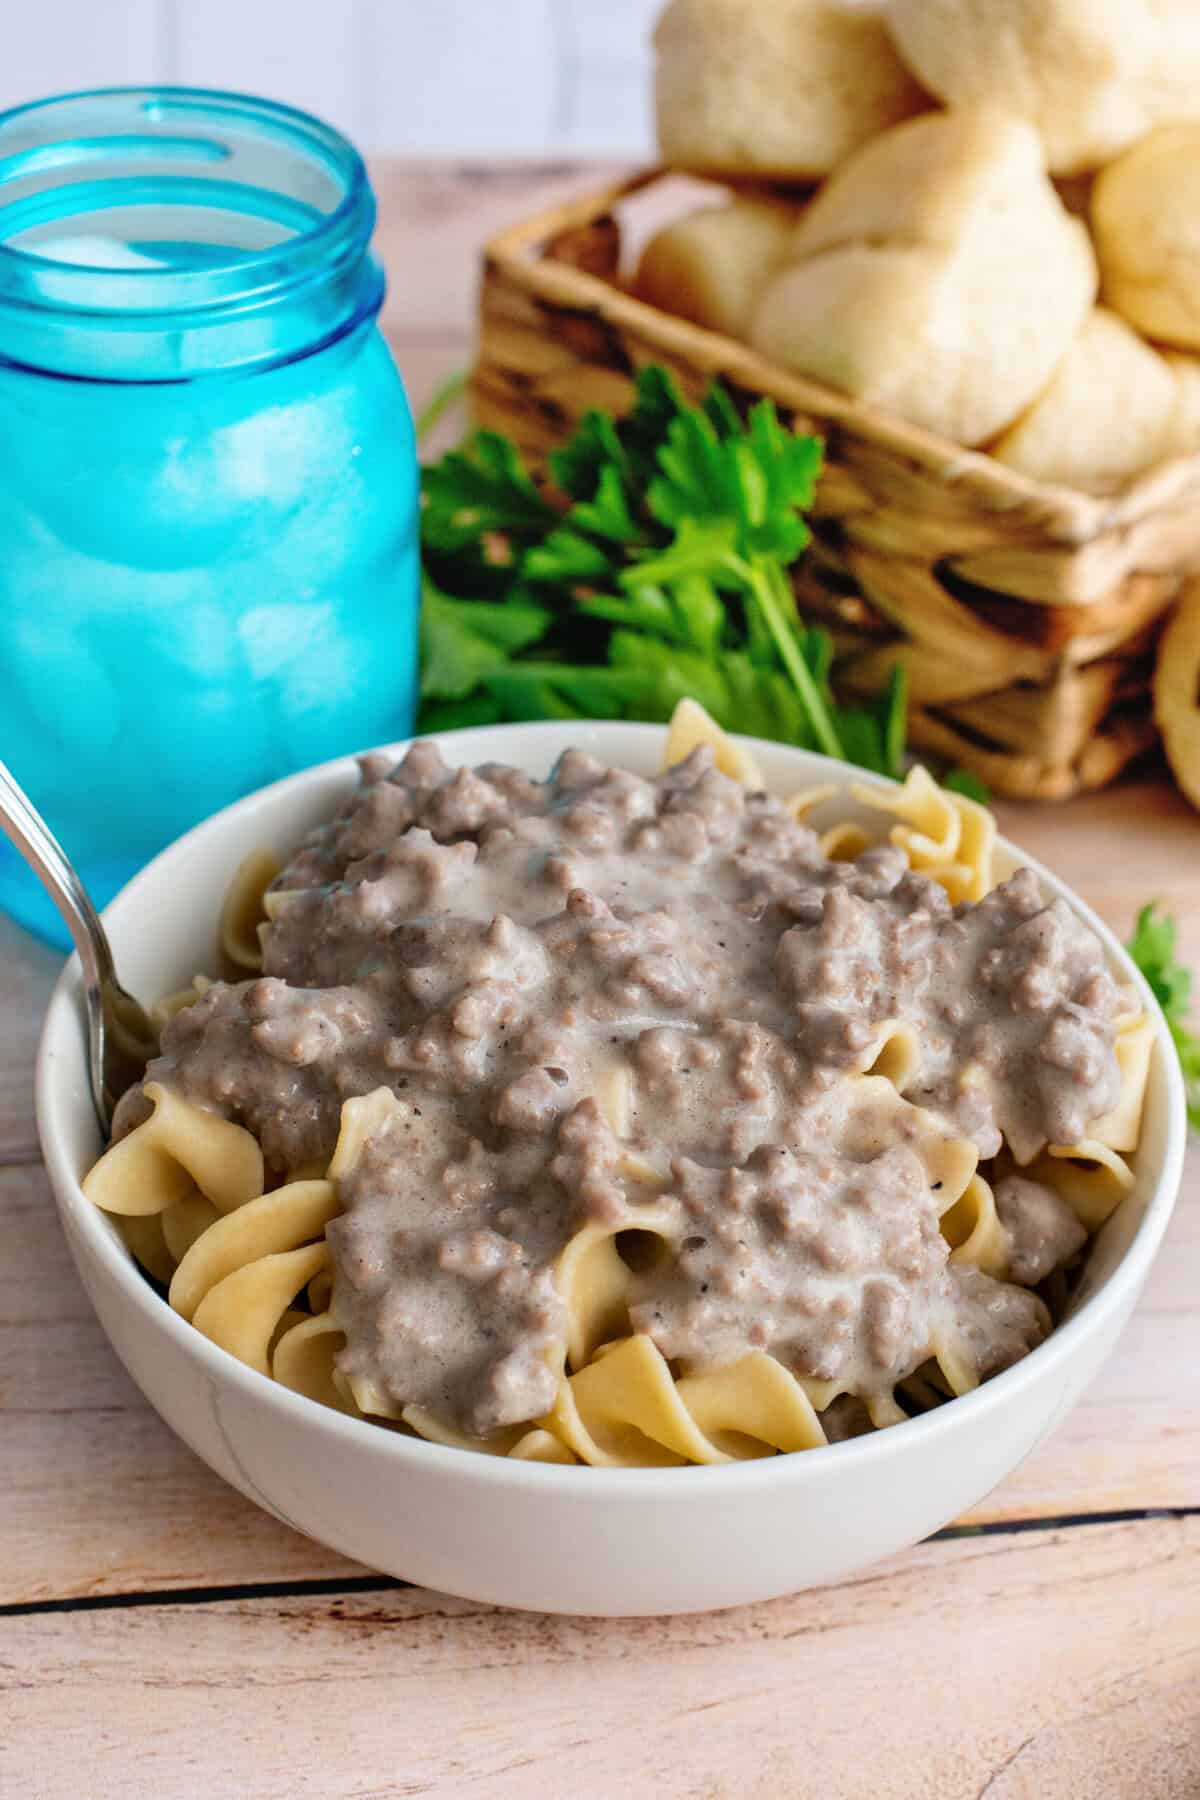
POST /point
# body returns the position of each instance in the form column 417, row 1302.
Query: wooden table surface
column 161, row 1637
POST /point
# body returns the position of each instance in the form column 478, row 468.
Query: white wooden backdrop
column 422, row 77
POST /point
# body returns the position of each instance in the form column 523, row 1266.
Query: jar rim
column 335, row 239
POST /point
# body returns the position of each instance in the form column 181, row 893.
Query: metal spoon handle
column 42, row 850
column 32, row 836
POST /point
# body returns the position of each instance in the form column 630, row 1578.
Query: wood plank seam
column 335, row 1587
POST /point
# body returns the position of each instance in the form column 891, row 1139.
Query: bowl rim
column 722, row 1480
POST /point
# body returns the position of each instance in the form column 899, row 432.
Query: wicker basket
column 1025, row 614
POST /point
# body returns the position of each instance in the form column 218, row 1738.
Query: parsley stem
column 758, row 578
column 444, row 396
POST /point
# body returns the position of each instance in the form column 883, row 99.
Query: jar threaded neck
column 168, row 233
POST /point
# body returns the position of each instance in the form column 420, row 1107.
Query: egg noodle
column 251, row 1269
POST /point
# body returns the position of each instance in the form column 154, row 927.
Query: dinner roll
column 775, row 87
column 1146, row 223
column 1177, row 691
column 712, row 266
column 1091, row 75
column 937, row 274
column 1183, row 432
column 1103, row 416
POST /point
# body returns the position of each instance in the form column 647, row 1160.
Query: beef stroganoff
column 632, row 1121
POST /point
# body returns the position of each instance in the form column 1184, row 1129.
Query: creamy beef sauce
column 499, row 951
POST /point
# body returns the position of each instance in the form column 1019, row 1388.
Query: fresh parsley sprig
column 1152, row 948
column 662, row 571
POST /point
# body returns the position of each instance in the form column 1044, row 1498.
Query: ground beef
column 494, row 950
column 1041, row 1230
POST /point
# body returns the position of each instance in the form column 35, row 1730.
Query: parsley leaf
column 658, row 566
column 483, row 488
column 656, row 406
column 594, row 451
column 566, row 556
column 1152, row 948
column 454, row 715
column 462, row 641
column 608, row 514
column 965, row 781
column 700, row 547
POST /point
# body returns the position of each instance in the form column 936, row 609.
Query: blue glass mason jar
column 208, row 482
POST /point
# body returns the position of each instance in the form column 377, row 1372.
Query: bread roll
column 937, row 274
column 1177, row 691
column 1183, row 432
column 712, row 266
column 782, row 88
column 1146, row 223
column 1091, row 75
column 1103, row 416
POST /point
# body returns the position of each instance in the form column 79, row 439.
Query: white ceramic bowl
column 574, row 1540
